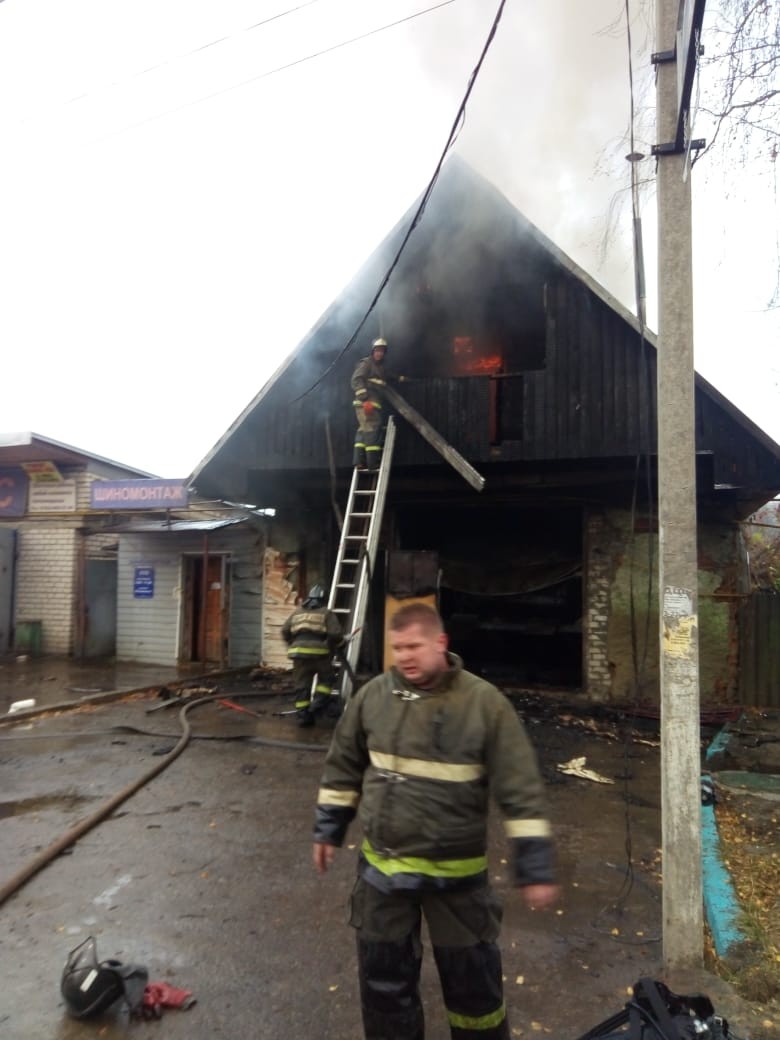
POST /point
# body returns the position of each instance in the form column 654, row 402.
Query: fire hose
column 71, row 836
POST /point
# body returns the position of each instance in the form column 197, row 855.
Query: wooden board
column 435, row 439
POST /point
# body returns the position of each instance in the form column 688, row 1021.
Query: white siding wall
column 148, row 629
column 45, row 583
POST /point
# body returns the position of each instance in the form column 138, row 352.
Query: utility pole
column 683, row 927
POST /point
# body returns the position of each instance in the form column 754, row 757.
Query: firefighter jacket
column 312, row 632
column 366, row 380
column 418, row 767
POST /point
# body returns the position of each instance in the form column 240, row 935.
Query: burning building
column 542, row 381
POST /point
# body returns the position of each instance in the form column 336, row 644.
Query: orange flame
column 469, row 360
column 486, row 365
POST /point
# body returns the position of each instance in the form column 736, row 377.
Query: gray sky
column 176, row 213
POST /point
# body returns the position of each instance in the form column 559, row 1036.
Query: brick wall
column 83, row 489
column 45, row 583
column 598, row 570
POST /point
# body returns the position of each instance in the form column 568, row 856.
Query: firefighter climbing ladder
column 359, row 542
column 357, row 554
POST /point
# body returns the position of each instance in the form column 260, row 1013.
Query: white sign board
column 52, row 498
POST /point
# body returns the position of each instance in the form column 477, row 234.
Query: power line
column 453, row 135
column 195, row 50
column 638, row 665
column 285, row 67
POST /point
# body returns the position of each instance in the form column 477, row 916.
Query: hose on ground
column 71, row 836
column 136, row 731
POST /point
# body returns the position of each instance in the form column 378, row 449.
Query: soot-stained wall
column 630, row 632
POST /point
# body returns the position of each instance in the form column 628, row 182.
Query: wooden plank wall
column 759, row 650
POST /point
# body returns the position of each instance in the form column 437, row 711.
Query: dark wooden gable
column 512, row 352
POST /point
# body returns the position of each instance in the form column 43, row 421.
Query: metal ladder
column 357, row 555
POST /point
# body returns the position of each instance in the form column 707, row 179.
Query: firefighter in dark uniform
column 416, row 754
column 366, row 382
column 313, row 634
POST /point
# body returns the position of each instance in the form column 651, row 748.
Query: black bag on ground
column 655, row 1013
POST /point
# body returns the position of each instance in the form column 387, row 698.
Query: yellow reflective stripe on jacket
column 527, row 828
column 453, row 771
column 316, row 651
column 495, row 1018
column 443, row 868
column 332, row 796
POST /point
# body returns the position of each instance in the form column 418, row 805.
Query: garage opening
column 510, row 588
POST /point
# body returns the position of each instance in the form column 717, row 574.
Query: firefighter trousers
column 304, row 669
column 369, row 437
column 463, row 926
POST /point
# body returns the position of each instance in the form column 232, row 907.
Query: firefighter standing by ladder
column 367, row 380
column 313, row 634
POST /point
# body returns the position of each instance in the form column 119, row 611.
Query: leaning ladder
column 354, row 568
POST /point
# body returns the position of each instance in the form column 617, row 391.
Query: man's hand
column 540, row 897
column 323, row 856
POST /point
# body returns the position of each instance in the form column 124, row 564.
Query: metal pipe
column 203, row 628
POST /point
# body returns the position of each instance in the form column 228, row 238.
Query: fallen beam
column 434, row 438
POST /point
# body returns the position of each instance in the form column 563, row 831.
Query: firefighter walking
column 367, row 380
column 415, row 754
column 313, row 634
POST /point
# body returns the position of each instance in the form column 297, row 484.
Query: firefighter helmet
column 90, row 987
column 379, row 344
column 316, row 594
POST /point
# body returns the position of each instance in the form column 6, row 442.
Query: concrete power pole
column 678, row 571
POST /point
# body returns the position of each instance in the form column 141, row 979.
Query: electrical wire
column 195, row 50
column 639, row 664
column 283, row 68
column 451, row 138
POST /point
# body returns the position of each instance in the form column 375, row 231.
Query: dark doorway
column 533, row 639
column 100, row 591
column 7, row 565
column 510, row 590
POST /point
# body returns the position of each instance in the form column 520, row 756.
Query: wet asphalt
column 204, row 873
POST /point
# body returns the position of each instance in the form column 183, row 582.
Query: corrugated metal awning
column 174, row 526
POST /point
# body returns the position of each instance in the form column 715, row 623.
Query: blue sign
column 138, row 494
column 13, row 492
column 143, row 583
